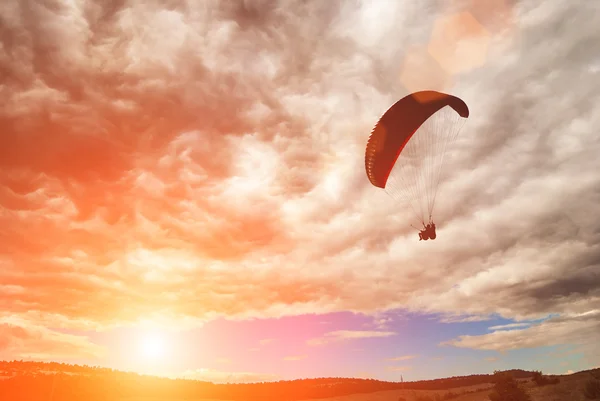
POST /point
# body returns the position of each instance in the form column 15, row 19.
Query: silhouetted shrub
column 541, row 380
column 506, row 388
column 591, row 390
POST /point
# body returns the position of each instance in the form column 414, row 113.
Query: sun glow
column 153, row 347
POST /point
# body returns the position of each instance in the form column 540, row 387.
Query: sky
column 183, row 188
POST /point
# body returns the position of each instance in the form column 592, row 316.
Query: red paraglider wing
column 398, row 124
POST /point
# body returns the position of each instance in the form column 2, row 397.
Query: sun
column 152, row 346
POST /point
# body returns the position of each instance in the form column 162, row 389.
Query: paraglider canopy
column 396, row 127
column 405, row 151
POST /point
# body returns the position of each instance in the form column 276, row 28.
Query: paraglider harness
column 428, row 231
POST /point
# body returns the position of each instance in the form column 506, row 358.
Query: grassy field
column 471, row 393
column 570, row 388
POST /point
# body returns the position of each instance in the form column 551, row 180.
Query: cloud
column 399, row 368
column 295, row 358
column 262, row 343
column 491, row 359
column 382, row 323
column 452, row 318
column 577, row 329
column 213, row 157
column 216, row 376
column 365, row 375
column 24, row 341
column 509, row 326
column 345, row 335
column 402, row 358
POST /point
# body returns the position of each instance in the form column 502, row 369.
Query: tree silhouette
column 542, row 380
column 506, row 388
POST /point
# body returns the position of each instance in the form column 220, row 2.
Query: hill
column 37, row 381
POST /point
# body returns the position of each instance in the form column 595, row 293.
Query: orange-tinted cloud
column 187, row 163
column 24, row 341
column 295, row 357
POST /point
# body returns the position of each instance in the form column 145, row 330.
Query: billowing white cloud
column 212, row 155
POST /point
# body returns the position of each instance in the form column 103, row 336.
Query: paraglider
column 405, row 151
column 428, row 232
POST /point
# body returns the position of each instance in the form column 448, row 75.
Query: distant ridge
column 27, row 376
